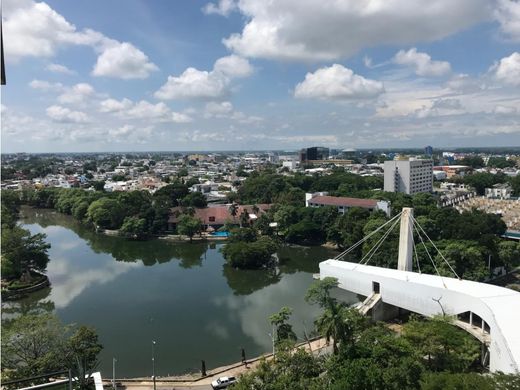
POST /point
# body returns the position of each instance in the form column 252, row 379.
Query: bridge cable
column 376, row 247
column 351, row 248
column 428, row 253
column 437, row 249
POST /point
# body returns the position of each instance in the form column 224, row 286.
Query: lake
column 181, row 295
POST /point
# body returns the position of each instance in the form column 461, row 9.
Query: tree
column 233, row 210
column 509, row 253
column 22, row 252
column 82, row 350
column 337, row 322
column 194, row 199
column 443, row 346
column 250, row 255
column 284, row 332
column 188, row 226
column 134, row 227
column 106, row 213
column 99, row 185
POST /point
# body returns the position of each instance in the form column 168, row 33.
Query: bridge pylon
column 406, row 245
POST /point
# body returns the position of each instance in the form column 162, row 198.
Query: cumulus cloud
column 508, row 15
column 508, row 69
column 223, row 7
column 448, row 104
column 63, row 114
column 422, row 63
column 36, row 30
column 337, row 83
column 45, row 85
column 201, row 84
column 143, row 109
column 307, row 30
column 77, row 94
column 214, row 109
column 58, row 68
column 125, row 61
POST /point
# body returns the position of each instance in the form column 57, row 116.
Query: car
column 223, row 382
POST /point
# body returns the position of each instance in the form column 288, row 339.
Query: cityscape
column 260, row 195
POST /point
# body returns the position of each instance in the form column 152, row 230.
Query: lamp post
column 272, row 338
column 153, row 363
column 114, row 360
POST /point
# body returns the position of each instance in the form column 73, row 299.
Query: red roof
column 342, row 201
column 220, row 214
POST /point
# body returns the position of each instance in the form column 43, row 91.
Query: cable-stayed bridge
column 488, row 312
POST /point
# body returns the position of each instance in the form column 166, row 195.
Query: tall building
column 428, row 150
column 313, row 154
column 409, row 176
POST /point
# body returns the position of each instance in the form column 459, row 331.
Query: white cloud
column 337, row 83
column 36, row 30
column 307, row 30
column 422, row 63
column 222, row 109
column 124, row 61
column 508, row 69
column 214, row 84
column 46, row 86
column 77, row 94
column 113, row 105
column 508, row 15
column 223, row 7
column 58, row 68
column 143, row 109
column 63, row 114
column 447, row 104
column 504, row 110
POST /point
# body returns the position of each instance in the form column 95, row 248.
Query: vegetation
column 34, row 345
column 189, row 226
column 428, row 354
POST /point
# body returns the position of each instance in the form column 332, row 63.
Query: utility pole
column 153, row 363
column 114, row 372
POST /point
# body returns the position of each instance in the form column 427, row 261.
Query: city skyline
column 253, row 75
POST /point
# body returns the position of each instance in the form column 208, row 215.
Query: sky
column 164, row 75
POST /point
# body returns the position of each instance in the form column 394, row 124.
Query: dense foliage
column 246, row 250
column 34, row 345
column 427, row 354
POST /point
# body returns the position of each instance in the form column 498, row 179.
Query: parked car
column 223, row 382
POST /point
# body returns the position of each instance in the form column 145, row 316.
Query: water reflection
column 190, row 301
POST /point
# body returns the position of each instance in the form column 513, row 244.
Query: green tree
column 509, row 253
column 134, row 227
column 194, row 199
column 106, row 213
column 285, row 335
column 250, row 255
column 188, row 226
column 82, row 350
column 22, row 252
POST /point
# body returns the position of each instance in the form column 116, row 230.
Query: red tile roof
column 342, row 201
column 220, row 213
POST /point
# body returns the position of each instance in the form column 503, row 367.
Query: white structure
column 493, row 311
column 501, row 191
column 439, row 175
column 409, row 176
column 291, row 164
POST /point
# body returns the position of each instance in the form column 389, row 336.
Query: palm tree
column 233, row 210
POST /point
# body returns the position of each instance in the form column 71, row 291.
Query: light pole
column 114, row 360
column 153, row 363
column 272, row 338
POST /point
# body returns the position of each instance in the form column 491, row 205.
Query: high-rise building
column 428, row 150
column 313, row 154
column 409, row 176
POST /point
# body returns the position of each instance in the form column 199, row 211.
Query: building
column 343, row 204
column 453, row 170
column 500, row 191
column 314, row 153
column 409, row 176
column 428, row 150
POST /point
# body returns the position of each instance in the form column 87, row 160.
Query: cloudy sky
column 103, row 75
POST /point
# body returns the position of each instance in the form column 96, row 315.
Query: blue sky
column 256, row 74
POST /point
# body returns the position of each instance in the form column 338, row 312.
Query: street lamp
column 114, row 360
column 153, row 363
column 272, row 335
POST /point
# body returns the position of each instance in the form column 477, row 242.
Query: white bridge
column 488, row 312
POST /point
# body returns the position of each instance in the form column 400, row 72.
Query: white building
column 343, row 204
column 501, row 191
column 409, row 176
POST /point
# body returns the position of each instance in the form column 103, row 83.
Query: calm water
column 181, row 295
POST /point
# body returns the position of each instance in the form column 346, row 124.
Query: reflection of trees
column 245, row 282
column 302, row 259
column 149, row 252
column 35, row 303
column 292, row 259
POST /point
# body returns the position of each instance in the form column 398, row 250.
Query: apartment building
column 409, row 176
